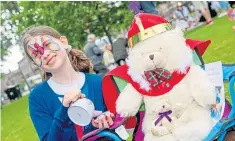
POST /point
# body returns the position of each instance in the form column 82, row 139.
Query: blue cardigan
column 50, row 117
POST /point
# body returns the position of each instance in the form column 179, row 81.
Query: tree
column 110, row 17
column 72, row 18
column 9, row 36
column 59, row 15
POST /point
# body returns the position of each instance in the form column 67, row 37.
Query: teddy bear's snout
column 151, row 56
column 152, row 60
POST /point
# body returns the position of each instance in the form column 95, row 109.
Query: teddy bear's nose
column 151, row 56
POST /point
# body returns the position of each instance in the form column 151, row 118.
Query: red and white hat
column 147, row 25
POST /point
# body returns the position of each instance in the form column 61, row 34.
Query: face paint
column 34, row 55
column 49, row 43
column 36, row 50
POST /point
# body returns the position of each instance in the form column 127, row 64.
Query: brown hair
column 78, row 59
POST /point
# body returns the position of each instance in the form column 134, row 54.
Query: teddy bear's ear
column 179, row 32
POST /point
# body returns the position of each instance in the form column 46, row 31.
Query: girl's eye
column 46, row 44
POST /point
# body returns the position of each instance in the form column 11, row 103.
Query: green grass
column 16, row 123
column 222, row 38
column 222, row 46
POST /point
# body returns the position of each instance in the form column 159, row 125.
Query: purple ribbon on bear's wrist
column 162, row 115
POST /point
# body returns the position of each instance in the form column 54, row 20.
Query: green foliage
column 70, row 18
column 8, row 29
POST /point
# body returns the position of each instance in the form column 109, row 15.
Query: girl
column 67, row 80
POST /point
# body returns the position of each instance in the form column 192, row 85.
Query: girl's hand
column 71, row 97
column 103, row 121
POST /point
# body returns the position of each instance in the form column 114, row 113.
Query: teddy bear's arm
column 201, row 87
column 128, row 102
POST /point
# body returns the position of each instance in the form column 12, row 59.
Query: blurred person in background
column 231, row 16
column 182, row 14
column 66, row 79
column 179, row 23
column 221, row 7
column 119, row 50
column 108, row 57
column 225, row 6
column 216, row 6
column 95, row 54
column 202, row 6
column 148, row 7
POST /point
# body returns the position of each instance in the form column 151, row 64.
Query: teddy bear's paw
column 207, row 100
column 125, row 111
column 160, row 130
column 128, row 102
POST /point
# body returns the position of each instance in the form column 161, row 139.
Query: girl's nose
column 45, row 54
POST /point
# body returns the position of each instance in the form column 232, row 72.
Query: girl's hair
column 78, row 59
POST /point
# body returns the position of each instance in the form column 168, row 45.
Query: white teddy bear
column 176, row 93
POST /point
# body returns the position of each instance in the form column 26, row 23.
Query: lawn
column 222, row 46
column 16, row 124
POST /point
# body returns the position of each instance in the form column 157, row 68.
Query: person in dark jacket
column 148, row 7
column 95, row 54
column 119, row 50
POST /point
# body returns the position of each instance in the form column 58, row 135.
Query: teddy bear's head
column 166, row 50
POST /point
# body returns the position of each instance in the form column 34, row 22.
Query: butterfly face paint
column 37, row 48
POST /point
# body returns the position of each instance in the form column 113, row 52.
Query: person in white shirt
column 182, row 13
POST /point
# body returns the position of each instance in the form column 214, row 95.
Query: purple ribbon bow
column 162, row 115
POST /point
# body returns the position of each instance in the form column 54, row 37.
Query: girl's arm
column 48, row 127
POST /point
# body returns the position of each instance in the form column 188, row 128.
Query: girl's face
column 48, row 52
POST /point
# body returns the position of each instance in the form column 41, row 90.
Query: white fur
column 136, row 77
column 127, row 103
column 189, row 100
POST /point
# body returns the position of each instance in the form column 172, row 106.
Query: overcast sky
column 12, row 60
